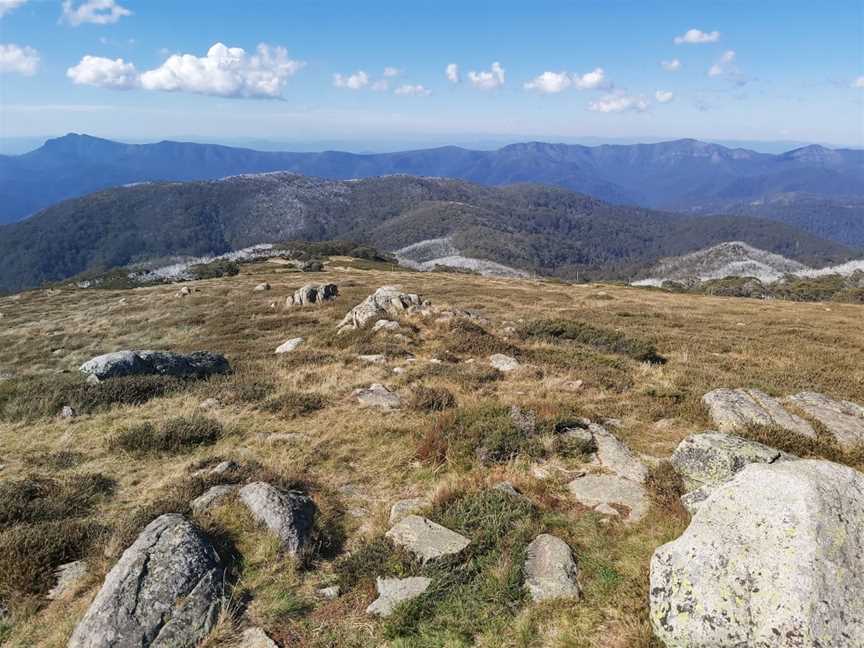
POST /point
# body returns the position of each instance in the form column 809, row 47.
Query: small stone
column 262, row 287
column 404, row 508
column 257, row 638
column 68, row 412
column 225, row 466
column 426, row 539
column 385, row 325
column 288, row 514
column 329, row 593
column 289, row 345
column 214, row 496
column 69, row 576
column 393, row 591
column 594, row 490
column 550, row 571
column 373, row 359
column 504, row 363
column 379, row 396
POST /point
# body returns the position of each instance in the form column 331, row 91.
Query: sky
column 440, row 70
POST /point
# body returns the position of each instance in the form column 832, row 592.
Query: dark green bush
column 173, row 436
column 602, row 339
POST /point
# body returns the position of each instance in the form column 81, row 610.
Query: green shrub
column 602, row 339
column 173, row 436
column 372, row 559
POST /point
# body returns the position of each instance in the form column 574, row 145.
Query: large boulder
column 164, row 363
column 288, row 514
column 550, row 571
column 425, row 538
column 843, row 419
column 773, row 558
column 313, row 294
column 735, row 409
column 387, row 301
column 166, row 591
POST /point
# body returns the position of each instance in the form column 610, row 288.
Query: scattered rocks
column 773, row 558
column 379, row 396
column 289, row 345
column 404, row 508
column 504, row 363
column 843, row 419
column 313, row 294
column 256, row 638
column 329, row 593
column 616, row 456
column 214, row 496
column 386, row 325
column 288, row 514
column 550, row 571
column 599, row 492
column 386, row 301
column 69, row 576
column 426, row 539
column 393, row 591
column 734, row 409
column 166, row 590
column 165, row 363
column 262, row 287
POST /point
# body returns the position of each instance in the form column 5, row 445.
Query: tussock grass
column 172, row 436
column 42, row 499
column 59, row 460
column 602, row 339
column 431, row 399
column 293, row 404
column 464, row 337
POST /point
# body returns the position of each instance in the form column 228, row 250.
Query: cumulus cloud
column 664, row 96
column 858, row 83
column 382, row 85
column 353, row 81
column 412, row 90
column 619, row 102
column 452, row 72
column 488, row 79
column 18, row 60
column 116, row 74
column 696, row 37
column 392, row 71
column 671, row 66
column 96, row 12
column 223, row 72
column 724, row 65
column 8, row 5
column 554, row 82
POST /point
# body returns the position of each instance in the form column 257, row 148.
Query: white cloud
column 18, row 60
column 591, row 80
column 554, row 82
column 8, row 5
column 858, row 83
column 223, row 72
column 392, row 71
column 116, row 74
column 488, row 80
column 382, row 85
column 697, row 36
column 619, row 102
column 724, row 65
column 353, row 81
column 664, row 96
column 671, row 66
column 452, row 72
column 97, row 12
column 413, row 90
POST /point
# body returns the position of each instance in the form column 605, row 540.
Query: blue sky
column 137, row 69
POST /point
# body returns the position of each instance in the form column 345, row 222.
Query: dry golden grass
column 294, row 415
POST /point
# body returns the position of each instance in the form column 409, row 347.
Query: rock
column 262, row 287
column 378, row 396
column 313, row 294
column 617, row 457
column 773, row 558
column 68, row 412
column 576, row 440
column 329, row 593
column 184, row 291
column 386, row 301
column 288, row 514
column 386, row 325
column 393, row 591
column 209, row 404
column 166, row 591
column 6, row 375
column 92, row 380
column 289, row 345
column 693, row 500
column 504, row 363
column 256, row 638
column 224, row 467
column 711, row 458
column 69, row 576
column 843, row 419
column 507, row 488
column 426, row 539
column 373, row 358
column 214, row 496
column 734, row 409
column 596, row 490
column 165, row 363
column 550, row 571
column 404, row 508
column 524, row 420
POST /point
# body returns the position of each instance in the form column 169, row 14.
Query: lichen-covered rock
column 166, row 591
column 843, row 419
column 393, row 591
column 288, row 514
column 734, row 409
column 425, row 538
column 379, row 396
column 600, row 491
column 313, row 294
column 711, row 458
column 550, row 571
column 504, row 363
column 387, row 301
column 616, row 456
column 772, row 558
column 165, row 363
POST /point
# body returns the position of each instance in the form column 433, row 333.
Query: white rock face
column 289, row 345
column 550, row 571
column 773, row 558
column 504, row 363
column 426, row 539
column 393, row 591
column 379, row 396
column 843, row 419
column 599, row 491
column 735, row 409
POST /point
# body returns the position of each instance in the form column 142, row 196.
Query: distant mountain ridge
column 529, row 228
column 681, row 175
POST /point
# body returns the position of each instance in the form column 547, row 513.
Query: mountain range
column 818, row 189
column 527, row 227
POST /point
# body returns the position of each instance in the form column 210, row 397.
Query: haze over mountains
column 815, row 188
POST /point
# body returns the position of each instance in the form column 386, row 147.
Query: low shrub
column 215, row 269
column 172, row 436
column 293, row 404
column 41, row 499
column 431, row 399
column 469, row 338
column 602, row 339
column 60, row 460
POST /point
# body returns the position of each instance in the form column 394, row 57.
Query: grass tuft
column 431, row 399
column 602, row 339
column 173, row 436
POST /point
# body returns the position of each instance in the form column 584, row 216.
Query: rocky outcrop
column 426, row 539
column 393, row 591
column 288, row 514
column 843, row 419
column 166, row 591
column 164, row 363
column 386, row 302
column 379, row 396
column 599, row 492
column 773, row 558
column 550, row 571
column 735, row 409
column 313, row 294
